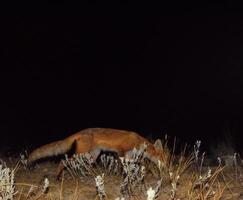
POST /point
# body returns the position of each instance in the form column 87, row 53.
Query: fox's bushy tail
column 52, row 149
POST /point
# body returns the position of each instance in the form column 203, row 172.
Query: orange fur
column 93, row 140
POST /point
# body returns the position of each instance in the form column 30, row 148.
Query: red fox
column 95, row 140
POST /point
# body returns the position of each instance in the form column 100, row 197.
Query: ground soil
column 73, row 188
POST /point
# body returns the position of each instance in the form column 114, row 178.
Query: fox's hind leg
column 60, row 169
column 94, row 153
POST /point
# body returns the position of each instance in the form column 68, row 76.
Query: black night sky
column 181, row 75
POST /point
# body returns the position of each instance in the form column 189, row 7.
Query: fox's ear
column 158, row 144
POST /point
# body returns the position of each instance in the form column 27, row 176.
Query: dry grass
column 178, row 177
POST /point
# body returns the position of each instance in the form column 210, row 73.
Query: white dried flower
column 198, row 143
column 120, row 198
column 196, row 149
column 100, row 186
column 209, row 174
column 150, row 194
column 7, row 188
column 46, row 185
column 153, row 194
column 219, row 161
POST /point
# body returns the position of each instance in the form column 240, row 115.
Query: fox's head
column 156, row 153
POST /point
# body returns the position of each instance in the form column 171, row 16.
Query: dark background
column 177, row 75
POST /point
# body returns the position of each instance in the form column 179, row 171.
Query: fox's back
column 108, row 138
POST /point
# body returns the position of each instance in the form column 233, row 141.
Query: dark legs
column 60, row 169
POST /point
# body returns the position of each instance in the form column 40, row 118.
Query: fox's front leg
column 60, row 169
